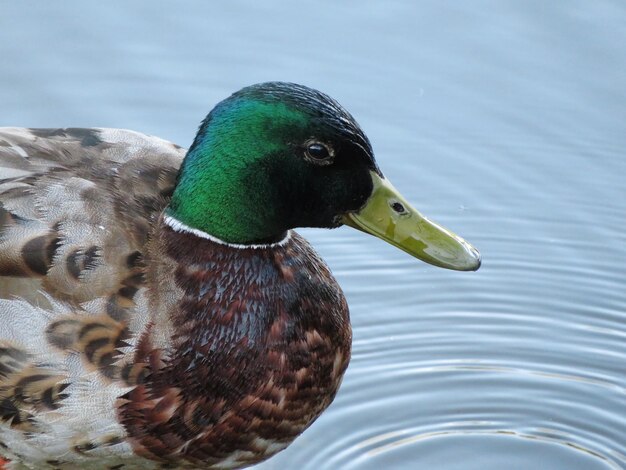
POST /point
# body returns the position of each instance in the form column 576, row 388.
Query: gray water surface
column 505, row 121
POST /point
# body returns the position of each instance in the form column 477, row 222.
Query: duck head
column 276, row 156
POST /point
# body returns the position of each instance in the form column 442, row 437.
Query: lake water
column 505, row 121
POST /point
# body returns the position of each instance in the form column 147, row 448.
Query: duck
column 157, row 308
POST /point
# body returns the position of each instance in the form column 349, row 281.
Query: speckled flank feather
column 127, row 344
column 52, row 406
column 65, row 362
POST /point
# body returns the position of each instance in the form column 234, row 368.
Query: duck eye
column 319, row 153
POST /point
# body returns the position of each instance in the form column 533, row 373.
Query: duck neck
column 181, row 227
column 229, row 184
column 216, row 202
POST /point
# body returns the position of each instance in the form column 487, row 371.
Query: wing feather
column 77, row 205
column 76, row 211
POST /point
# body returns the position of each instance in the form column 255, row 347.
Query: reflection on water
column 504, row 123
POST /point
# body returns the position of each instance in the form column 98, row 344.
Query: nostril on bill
column 398, row 207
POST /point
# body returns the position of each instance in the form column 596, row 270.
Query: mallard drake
column 159, row 311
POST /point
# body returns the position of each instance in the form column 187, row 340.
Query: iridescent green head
column 276, row 156
column 269, row 158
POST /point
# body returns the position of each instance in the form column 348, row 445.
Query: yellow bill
column 389, row 216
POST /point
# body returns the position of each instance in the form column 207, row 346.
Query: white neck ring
column 178, row 226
